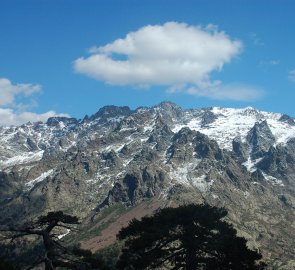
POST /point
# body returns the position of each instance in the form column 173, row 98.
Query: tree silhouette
column 55, row 254
column 187, row 237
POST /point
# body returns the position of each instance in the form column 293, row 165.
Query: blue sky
column 64, row 56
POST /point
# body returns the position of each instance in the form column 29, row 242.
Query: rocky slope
column 242, row 159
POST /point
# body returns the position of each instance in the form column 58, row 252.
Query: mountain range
column 119, row 163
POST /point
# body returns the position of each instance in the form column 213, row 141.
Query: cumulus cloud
column 12, row 110
column 9, row 91
column 177, row 55
column 169, row 54
column 291, row 75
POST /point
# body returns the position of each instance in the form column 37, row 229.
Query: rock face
column 287, row 119
column 242, row 159
column 260, row 139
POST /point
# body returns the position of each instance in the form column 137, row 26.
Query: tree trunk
column 48, row 264
column 50, row 251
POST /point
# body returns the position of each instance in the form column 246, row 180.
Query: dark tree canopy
column 187, row 237
column 6, row 265
column 55, row 254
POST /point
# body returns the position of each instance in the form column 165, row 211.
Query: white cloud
column 10, row 117
column 9, row 91
column 12, row 110
column 291, row 75
column 172, row 54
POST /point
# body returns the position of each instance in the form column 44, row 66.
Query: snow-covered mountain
column 242, row 159
column 27, row 143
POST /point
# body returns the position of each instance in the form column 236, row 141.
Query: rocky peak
column 112, row 111
column 168, row 105
column 181, row 149
column 55, row 121
column 168, row 110
column 240, row 149
column 160, row 134
column 287, row 119
column 208, row 117
column 250, row 111
column 279, row 160
column 161, row 129
column 260, row 139
column 184, row 136
column 206, row 148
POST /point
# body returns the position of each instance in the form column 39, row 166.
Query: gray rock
column 260, row 139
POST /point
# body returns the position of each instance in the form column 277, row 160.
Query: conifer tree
column 188, row 237
column 55, row 254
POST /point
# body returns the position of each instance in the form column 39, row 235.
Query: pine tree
column 188, row 237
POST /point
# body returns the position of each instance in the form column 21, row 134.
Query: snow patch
column 250, row 164
column 282, row 131
column 183, row 175
column 70, row 145
column 64, row 234
column 231, row 123
column 214, row 196
column 22, row 159
column 180, row 174
column 127, row 129
column 149, row 127
column 201, row 184
column 29, row 185
column 144, row 139
column 274, row 181
column 127, row 161
column 91, row 181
